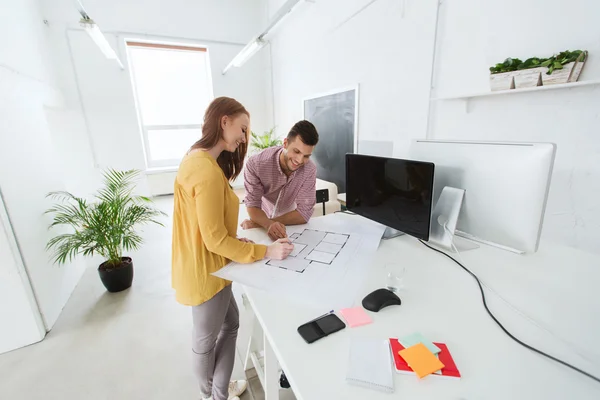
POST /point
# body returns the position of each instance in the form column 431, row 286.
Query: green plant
column 510, row 64
column 533, row 62
column 562, row 58
column 553, row 63
column 264, row 141
column 106, row 226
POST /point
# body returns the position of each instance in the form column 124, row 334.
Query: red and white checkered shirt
column 268, row 188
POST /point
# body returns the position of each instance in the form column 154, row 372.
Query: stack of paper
column 422, row 357
column 369, row 365
column 416, row 338
column 421, row 360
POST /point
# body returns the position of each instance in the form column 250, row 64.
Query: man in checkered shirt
column 280, row 183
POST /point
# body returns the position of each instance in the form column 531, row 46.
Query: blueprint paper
column 297, row 249
column 327, row 266
column 329, row 247
column 310, row 246
column 335, row 238
column 321, row 257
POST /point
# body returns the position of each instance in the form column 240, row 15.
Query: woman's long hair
column 212, row 132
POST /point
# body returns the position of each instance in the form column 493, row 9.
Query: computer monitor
column 394, row 192
column 506, row 187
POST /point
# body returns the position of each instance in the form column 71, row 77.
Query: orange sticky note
column 421, row 360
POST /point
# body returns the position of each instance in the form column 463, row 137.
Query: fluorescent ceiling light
column 247, row 52
column 258, row 43
column 98, row 37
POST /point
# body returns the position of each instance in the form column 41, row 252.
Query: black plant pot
column 117, row 279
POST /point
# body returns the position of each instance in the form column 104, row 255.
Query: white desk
column 556, row 286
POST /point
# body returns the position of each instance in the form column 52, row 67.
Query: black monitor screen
column 396, row 193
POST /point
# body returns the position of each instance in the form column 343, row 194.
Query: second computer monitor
column 394, row 192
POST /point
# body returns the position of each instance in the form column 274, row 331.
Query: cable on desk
column 572, row 346
column 531, row 320
column 502, row 326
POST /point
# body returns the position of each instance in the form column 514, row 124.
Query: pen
column 324, row 315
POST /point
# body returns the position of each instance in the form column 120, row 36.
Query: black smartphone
column 318, row 329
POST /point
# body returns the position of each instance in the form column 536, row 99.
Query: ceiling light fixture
column 97, row 36
column 259, row 42
column 247, row 52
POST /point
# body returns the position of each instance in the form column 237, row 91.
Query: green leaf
column 552, row 63
column 264, row 141
column 106, row 226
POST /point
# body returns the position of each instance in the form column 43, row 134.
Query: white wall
column 475, row 35
column 55, row 131
column 390, row 56
column 29, row 159
column 315, row 51
column 105, row 90
column 21, row 320
column 223, row 20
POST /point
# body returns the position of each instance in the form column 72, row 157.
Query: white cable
column 521, row 313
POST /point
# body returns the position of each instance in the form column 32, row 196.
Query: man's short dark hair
column 307, row 132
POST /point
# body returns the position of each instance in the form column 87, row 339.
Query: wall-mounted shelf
column 515, row 91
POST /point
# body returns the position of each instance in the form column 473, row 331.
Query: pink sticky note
column 355, row 316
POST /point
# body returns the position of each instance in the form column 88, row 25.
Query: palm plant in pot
column 104, row 227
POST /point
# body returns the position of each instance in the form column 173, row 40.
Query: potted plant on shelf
column 105, row 226
column 501, row 76
column 564, row 67
column 560, row 68
column 264, row 141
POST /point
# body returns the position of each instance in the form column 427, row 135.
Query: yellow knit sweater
column 205, row 219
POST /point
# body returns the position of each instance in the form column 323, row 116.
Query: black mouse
column 379, row 299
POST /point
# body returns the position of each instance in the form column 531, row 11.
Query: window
column 172, row 88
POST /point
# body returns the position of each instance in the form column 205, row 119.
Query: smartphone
column 318, row 329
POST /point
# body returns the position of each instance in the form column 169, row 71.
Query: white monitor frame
column 506, row 187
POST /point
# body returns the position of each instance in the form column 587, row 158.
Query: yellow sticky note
column 421, row 360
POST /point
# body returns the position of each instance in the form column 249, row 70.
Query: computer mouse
column 379, row 299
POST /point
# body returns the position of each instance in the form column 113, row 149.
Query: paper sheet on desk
column 330, row 260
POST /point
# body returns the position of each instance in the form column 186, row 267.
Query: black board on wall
column 335, row 117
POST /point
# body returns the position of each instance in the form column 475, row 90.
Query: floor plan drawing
column 312, row 246
column 327, row 267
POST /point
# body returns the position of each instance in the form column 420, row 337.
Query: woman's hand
column 245, row 240
column 280, row 249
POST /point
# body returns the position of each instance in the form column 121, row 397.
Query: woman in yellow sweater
column 205, row 220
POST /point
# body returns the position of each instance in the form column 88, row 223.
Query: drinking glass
column 394, row 277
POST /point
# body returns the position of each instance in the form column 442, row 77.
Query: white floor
column 130, row 345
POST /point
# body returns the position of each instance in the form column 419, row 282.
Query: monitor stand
column 444, row 219
column 391, row 233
